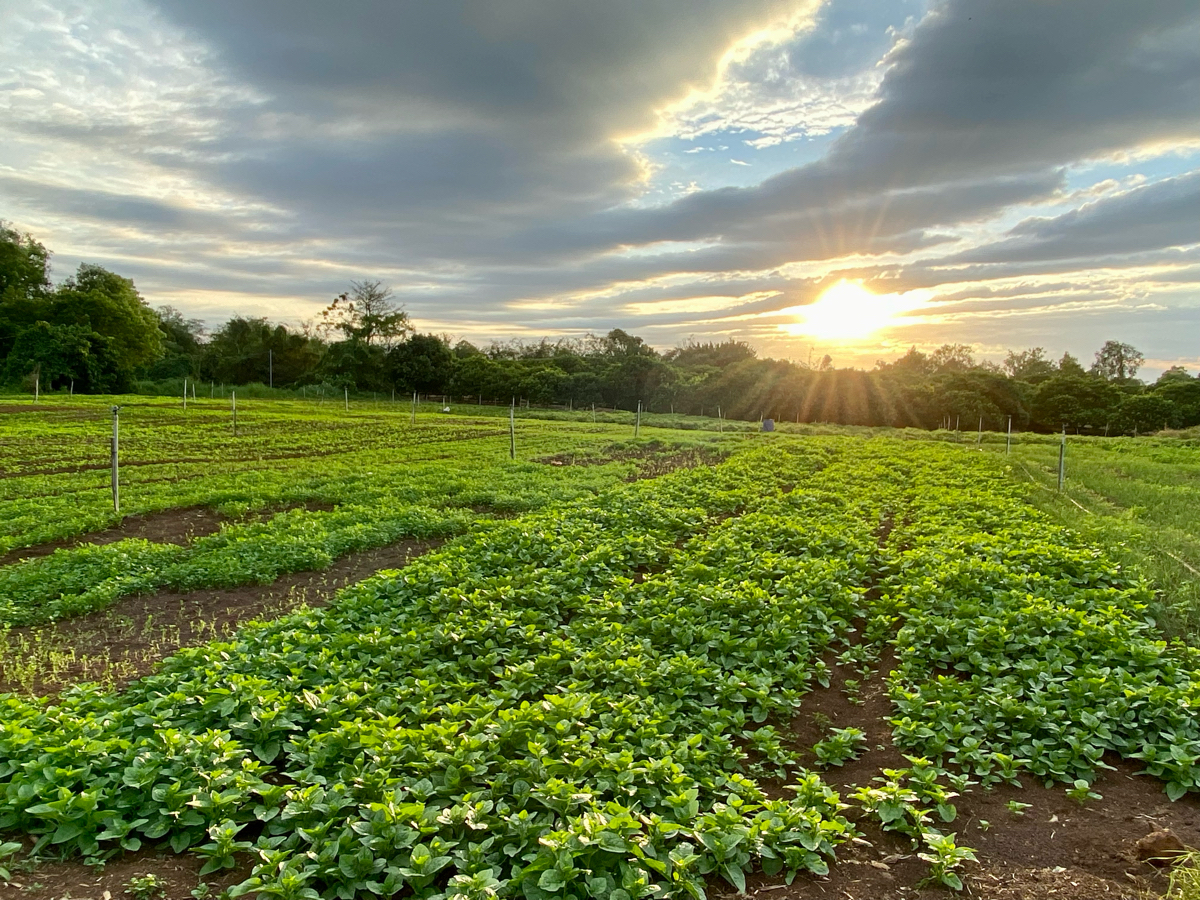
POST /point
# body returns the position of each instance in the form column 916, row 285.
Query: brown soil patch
column 651, row 460
column 129, row 639
column 28, row 407
column 178, row 876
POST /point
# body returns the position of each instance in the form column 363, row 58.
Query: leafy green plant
column 842, row 745
column 567, row 699
column 1081, row 792
column 146, row 887
column 945, row 859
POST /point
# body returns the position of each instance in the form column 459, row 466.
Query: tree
column 1069, row 365
column 367, row 314
column 1184, row 393
column 1147, row 412
column 253, row 350
column 1028, row 365
column 712, row 354
column 422, row 363
column 479, row 375
column 913, row 364
column 58, row 355
column 619, row 343
column 1174, row 374
column 24, row 265
column 111, row 306
column 1116, row 361
column 465, row 348
column 1076, row 401
column 952, row 358
column 181, row 345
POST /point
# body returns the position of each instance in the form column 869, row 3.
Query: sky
column 852, row 177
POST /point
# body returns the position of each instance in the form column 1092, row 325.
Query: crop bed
column 593, row 700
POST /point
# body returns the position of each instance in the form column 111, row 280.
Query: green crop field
column 602, row 683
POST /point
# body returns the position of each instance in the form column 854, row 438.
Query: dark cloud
column 1159, row 215
column 453, row 111
column 1010, row 85
column 143, row 213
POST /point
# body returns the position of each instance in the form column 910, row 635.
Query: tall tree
column 422, row 363
column 367, row 313
column 113, row 308
column 1116, row 361
column 1028, row 365
column 1071, row 366
column 24, row 265
column 952, row 358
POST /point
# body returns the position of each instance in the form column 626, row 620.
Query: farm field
column 1140, row 499
column 682, row 665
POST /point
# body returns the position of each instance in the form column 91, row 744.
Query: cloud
column 480, row 154
column 458, row 109
column 811, row 83
column 1010, row 85
column 1157, row 216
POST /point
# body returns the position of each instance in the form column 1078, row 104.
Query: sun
column 847, row 310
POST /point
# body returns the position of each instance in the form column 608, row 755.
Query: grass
column 1185, row 879
column 1138, row 498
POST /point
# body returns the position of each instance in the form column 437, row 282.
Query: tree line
column 94, row 333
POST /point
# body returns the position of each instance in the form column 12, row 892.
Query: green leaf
column 734, row 875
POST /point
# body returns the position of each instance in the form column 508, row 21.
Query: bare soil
column 129, row 639
column 649, row 459
column 178, row 875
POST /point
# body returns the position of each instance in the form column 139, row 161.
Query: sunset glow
column 848, row 311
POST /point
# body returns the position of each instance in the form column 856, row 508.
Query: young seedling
column 7, row 850
column 146, row 887
column 1081, row 792
column 945, row 858
column 1017, row 808
column 851, row 687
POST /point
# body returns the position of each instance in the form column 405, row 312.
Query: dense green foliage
column 284, row 454
column 94, row 334
column 578, row 703
column 382, row 477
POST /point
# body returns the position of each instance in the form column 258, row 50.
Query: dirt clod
column 1160, row 848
